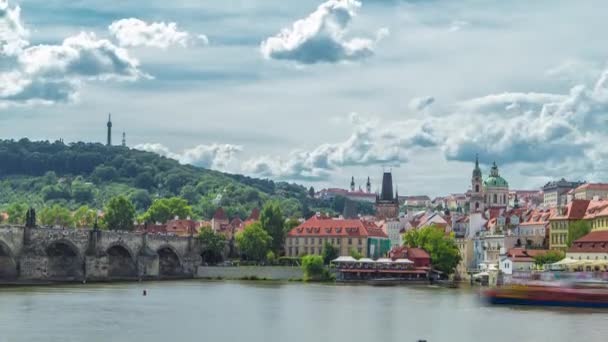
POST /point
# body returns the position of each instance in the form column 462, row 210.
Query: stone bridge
column 48, row 254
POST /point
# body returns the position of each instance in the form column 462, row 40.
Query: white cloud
column 214, row 156
column 320, row 37
column 13, row 36
column 52, row 73
column 134, row 32
column 367, row 145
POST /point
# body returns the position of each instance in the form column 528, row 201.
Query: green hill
column 42, row 173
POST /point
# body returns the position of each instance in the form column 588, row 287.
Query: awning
column 344, row 259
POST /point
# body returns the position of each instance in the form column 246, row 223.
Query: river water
column 266, row 312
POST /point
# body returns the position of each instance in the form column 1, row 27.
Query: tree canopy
column 165, row 209
column 254, row 242
column 213, row 245
column 329, row 253
column 272, row 221
column 549, row 257
column 119, row 214
column 442, row 247
column 577, row 230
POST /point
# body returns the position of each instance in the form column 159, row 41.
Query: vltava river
column 267, row 312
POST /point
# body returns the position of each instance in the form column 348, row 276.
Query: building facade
column 353, row 234
column 387, row 204
column 590, row 191
column 555, row 193
column 560, row 223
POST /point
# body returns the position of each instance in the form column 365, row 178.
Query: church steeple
column 109, row 141
column 368, row 186
column 352, row 184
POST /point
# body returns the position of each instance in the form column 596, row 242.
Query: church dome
column 494, row 180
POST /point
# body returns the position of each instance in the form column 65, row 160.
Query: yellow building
column 465, row 247
column 346, row 235
column 558, row 233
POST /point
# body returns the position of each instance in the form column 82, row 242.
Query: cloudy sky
column 316, row 92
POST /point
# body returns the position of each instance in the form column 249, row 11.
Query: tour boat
column 587, row 295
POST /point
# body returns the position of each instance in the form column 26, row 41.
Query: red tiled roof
column 323, row 226
column 219, row 214
column 594, row 242
column 592, row 186
column 255, row 214
column 574, row 211
column 417, row 253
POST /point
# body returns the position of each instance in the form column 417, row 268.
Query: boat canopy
column 366, row 260
column 384, row 261
column 344, row 259
column 404, row 261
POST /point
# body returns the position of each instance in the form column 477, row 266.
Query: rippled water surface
column 260, row 311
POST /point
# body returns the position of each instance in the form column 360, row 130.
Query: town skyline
column 537, row 117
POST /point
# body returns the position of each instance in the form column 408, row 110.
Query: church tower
column 352, row 184
column 477, row 197
column 109, row 142
column 368, row 186
column 387, row 205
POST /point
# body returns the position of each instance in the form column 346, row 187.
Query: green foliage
column 290, row 261
column 441, row 247
column 84, row 217
column 16, row 213
column 271, row 258
column 355, row 254
column 329, row 253
column 291, row 224
column 165, row 209
column 313, row 268
column 254, row 242
column 119, row 214
column 212, row 245
column 272, row 221
column 577, row 230
column 550, row 257
column 44, row 173
column 311, row 192
column 56, row 216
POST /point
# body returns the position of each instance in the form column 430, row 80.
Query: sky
column 318, row 92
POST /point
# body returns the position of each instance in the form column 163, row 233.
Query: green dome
column 495, row 182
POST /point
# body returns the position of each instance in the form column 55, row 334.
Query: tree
column 442, row 248
column 291, row 224
column 254, row 242
column 16, row 213
column 84, row 217
column 119, row 214
column 549, row 257
column 271, row 257
column 272, row 221
column 329, row 253
column 577, row 230
column 141, row 199
column 165, row 209
column 104, row 173
column 311, row 192
column 313, row 268
column 355, row 254
column 56, row 216
column 212, row 245
column 83, row 192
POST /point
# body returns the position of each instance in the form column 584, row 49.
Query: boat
column 582, row 295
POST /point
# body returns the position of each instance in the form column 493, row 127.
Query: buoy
column 145, row 293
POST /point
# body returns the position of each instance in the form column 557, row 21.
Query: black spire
column 387, row 187
column 368, row 186
column 352, row 184
column 109, row 142
column 477, row 170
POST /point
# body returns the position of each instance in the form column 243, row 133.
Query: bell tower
column 477, row 202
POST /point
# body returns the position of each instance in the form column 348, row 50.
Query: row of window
column 295, row 251
column 320, row 241
column 558, row 239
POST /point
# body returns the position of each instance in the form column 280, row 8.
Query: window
column 350, row 241
column 360, row 242
column 495, row 198
column 476, row 187
column 476, row 205
column 320, row 241
column 297, row 251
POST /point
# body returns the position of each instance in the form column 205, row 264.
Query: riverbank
column 285, row 273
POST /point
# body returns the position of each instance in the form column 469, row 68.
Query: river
column 267, row 312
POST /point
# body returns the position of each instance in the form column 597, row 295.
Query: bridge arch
column 65, row 261
column 121, row 262
column 8, row 264
column 170, row 263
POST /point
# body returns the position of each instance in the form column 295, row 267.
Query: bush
column 313, row 268
column 271, row 258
